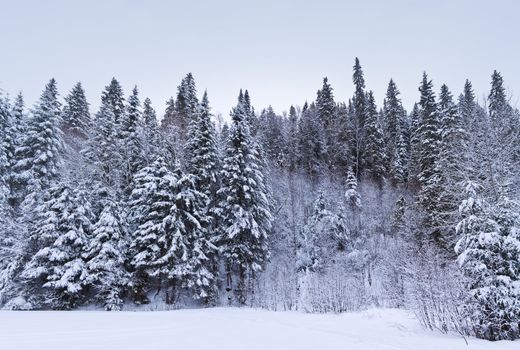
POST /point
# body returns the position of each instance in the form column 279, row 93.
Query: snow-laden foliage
column 331, row 207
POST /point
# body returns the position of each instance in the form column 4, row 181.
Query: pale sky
column 277, row 49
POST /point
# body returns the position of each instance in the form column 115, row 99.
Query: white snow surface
column 225, row 328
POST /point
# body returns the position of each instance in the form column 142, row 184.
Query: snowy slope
column 221, row 328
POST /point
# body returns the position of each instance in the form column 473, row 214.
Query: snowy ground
column 229, row 329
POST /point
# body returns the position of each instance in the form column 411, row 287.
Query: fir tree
column 203, row 154
column 6, row 144
column 152, row 142
column 186, row 104
column 467, row 104
column 39, row 156
column 292, row 140
column 103, row 155
column 393, row 114
column 271, row 136
column 191, row 243
column 311, row 147
column 374, row 153
column 245, row 213
column 498, row 105
column 152, row 198
column 60, row 235
column 76, row 115
column 358, row 117
column 489, row 256
column 451, row 163
column 105, row 254
column 402, row 153
column 168, row 119
column 131, row 148
column 113, row 98
column 415, row 145
column 429, row 176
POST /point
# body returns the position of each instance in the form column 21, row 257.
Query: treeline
column 332, row 206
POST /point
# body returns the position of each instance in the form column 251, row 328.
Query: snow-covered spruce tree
column 168, row 119
column 452, row 164
column 13, row 140
column 130, row 145
column 152, row 139
column 7, row 238
column 326, row 108
column 467, row 104
column 186, row 104
column 203, row 159
column 192, row 246
column 430, row 176
column 415, row 146
column 292, row 140
column 358, row 118
column 244, row 210
column 6, row 144
column 498, row 106
column 76, row 116
column 374, row 150
column 54, row 275
column 103, row 157
column 270, row 136
column 489, row 255
column 341, row 157
column 311, row 144
column 39, row 155
column 113, row 98
column 393, row 123
column 105, row 258
column 152, row 198
column 401, row 159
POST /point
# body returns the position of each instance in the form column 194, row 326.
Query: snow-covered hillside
column 222, row 328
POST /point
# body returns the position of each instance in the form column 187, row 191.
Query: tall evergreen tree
column 76, row 115
column 168, row 119
column 152, row 198
column 186, row 104
column 311, row 147
column 189, row 222
column 103, row 156
column 430, row 176
column 203, row 153
column 415, row 145
column 489, row 256
column 131, row 148
column 292, row 140
column 113, row 97
column 326, row 109
column 467, row 104
column 39, row 156
column 374, row 153
column 56, row 269
column 105, row 255
column 393, row 113
column 245, row 211
column 452, row 163
column 152, row 139
column 358, row 117
column 497, row 100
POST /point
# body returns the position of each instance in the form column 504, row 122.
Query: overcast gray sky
column 278, row 49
